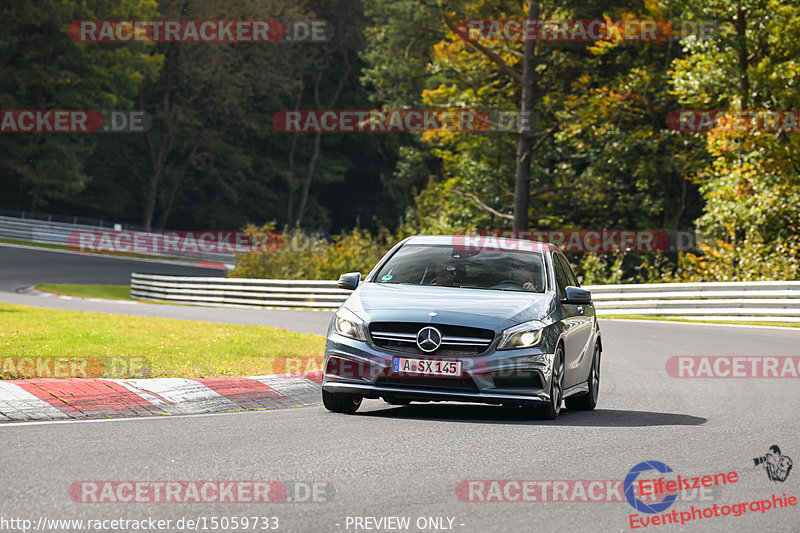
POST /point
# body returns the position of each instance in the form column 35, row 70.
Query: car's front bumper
column 421, row 394
column 517, row 377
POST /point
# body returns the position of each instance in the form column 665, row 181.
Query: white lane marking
column 182, row 395
column 679, row 322
column 134, row 418
column 31, row 290
column 18, row 404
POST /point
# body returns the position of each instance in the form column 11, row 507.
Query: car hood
column 489, row 309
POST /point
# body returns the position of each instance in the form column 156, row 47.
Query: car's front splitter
column 410, row 393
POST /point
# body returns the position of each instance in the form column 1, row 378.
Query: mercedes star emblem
column 429, row 339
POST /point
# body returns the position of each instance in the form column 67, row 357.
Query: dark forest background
column 603, row 155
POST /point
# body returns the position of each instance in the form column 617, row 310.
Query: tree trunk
column 150, row 201
column 744, row 94
column 160, row 154
column 175, row 186
column 158, row 158
column 741, row 37
column 312, row 165
column 528, row 120
column 290, row 182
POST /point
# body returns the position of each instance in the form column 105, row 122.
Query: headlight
column 523, row 335
column 347, row 324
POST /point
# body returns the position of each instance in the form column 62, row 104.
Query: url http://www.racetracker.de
column 195, row 523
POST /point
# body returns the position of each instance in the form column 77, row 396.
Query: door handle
column 580, row 309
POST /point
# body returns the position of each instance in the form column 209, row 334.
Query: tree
column 205, row 98
column 751, row 185
column 41, row 68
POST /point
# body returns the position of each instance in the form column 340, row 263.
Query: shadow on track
column 489, row 414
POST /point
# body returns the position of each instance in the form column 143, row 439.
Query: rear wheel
column 588, row 401
column 341, row 402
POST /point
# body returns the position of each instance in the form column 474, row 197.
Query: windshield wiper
column 477, row 287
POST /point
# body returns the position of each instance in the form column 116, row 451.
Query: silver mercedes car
column 465, row 319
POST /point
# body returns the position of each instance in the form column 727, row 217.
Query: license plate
column 426, row 367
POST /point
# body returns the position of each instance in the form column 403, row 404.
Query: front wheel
column 588, row 401
column 341, row 402
column 553, row 407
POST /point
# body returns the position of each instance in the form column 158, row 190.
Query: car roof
column 483, row 242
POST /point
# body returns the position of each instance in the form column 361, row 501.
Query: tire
column 553, row 407
column 341, row 402
column 588, row 401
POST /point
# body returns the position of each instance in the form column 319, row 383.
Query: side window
column 568, row 271
column 561, row 278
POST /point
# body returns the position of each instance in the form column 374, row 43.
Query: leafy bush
column 297, row 256
column 302, row 257
column 752, row 260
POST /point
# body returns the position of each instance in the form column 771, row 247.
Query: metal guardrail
column 41, row 231
column 238, row 292
column 67, row 219
column 767, row 301
column 775, row 301
column 49, row 232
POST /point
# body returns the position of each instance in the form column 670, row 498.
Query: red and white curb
column 63, row 399
column 221, row 266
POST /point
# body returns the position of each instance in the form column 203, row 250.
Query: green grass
column 110, row 292
column 174, row 348
column 670, row 319
column 35, row 244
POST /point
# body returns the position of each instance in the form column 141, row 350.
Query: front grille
column 456, row 340
column 442, row 384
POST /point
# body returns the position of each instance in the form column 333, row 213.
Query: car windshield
column 445, row 265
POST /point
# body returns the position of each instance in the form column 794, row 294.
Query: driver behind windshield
column 445, row 272
column 524, row 275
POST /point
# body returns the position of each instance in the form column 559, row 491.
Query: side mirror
column 577, row 296
column 349, row 281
